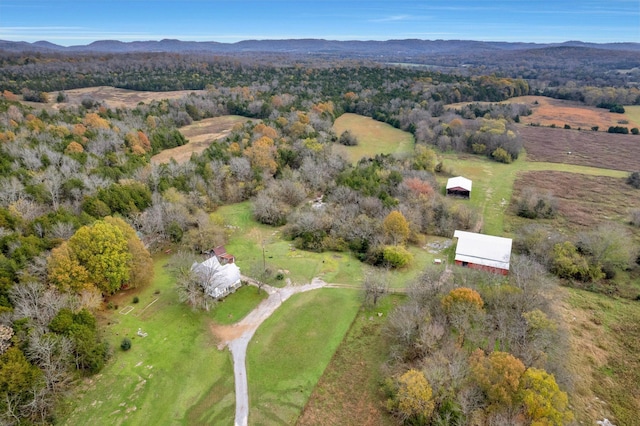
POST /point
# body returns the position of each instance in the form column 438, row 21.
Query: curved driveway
column 250, row 324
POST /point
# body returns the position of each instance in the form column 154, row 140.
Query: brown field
column 200, row 135
column 115, row 98
column 584, row 148
column 550, row 111
column 583, row 200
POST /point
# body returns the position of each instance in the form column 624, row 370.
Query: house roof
column 216, row 276
column 459, row 182
column 220, row 250
column 481, row 249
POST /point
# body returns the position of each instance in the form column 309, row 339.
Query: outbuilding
column 483, row 252
column 459, row 187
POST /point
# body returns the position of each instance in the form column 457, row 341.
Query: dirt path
column 237, row 338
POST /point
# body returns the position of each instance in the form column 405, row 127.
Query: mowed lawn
column 174, row 376
column 290, row 351
column 374, row 137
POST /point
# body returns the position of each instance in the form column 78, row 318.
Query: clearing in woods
column 113, row 97
column 374, row 137
column 200, row 134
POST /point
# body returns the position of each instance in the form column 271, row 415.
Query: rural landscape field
column 277, row 232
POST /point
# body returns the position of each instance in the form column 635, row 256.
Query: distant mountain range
column 390, row 48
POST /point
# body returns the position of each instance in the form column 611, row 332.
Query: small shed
column 483, row 252
column 223, row 257
column 459, row 187
column 216, row 279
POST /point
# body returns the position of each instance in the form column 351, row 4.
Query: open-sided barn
column 459, row 186
column 484, row 252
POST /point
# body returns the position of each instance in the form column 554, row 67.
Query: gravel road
column 250, row 323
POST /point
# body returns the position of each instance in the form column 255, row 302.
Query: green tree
column 103, row 251
column 396, row 256
column 18, row 380
column 141, row 263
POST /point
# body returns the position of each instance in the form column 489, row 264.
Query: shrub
column 634, row 180
column 136, row 299
column 566, row 126
column 396, row 256
column 126, row 344
column 635, row 131
column 502, row 156
column 347, row 139
column 533, row 205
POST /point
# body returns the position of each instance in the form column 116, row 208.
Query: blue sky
column 68, row 22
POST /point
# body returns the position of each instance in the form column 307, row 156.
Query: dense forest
column 82, row 206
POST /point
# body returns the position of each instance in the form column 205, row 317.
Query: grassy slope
column 374, row 137
column 292, row 348
column 605, row 337
column 349, row 390
column 175, row 375
column 233, row 309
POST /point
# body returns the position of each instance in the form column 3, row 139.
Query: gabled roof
column 481, row 249
column 459, row 182
column 216, row 277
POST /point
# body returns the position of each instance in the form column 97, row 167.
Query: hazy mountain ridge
column 409, row 47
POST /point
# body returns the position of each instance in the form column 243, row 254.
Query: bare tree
column 375, row 286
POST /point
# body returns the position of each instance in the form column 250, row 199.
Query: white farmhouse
column 217, row 280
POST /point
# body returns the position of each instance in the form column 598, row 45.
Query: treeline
column 475, row 348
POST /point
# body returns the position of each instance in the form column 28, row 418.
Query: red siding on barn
column 491, row 269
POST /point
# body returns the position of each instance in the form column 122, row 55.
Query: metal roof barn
column 485, row 252
column 460, row 186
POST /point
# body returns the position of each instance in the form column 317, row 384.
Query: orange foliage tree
column 498, row 375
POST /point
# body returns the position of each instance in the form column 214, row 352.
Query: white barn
column 216, row 279
column 459, row 186
column 484, row 252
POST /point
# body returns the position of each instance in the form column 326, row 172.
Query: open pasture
column 374, row 137
column 548, row 111
column 200, row 134
column 113, row 97
column 586, row 148
column 583, row 201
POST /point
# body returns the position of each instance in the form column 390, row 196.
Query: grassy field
column 632, row 113
column 233, row 309
column 493, row 183
column 174, row 376
column 349, row 392
column 605, row 341
column 374, row 137
column 291, row 350
column 200, row 134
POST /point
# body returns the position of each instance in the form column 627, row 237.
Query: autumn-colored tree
column 94, row 121
column 66, row 272
column 498, row 375
column 73, row 147
column 103, row 250
column 414, row 397
column 262, row 154
column 464, row 307
column 141, row 263
column 545, row 404
column 264, row 130
column 396, row 227
column 419, row 187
